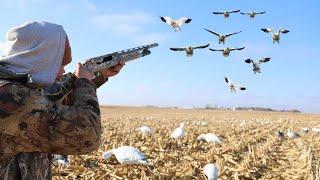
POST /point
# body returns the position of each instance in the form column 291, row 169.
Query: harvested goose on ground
column 175, row 24
column 233, row 87
column 222, row 37
column 256, row 64
column 275, row 34
column 189, row 50
column 226, row 14
column 252, row 14
column 226, row 51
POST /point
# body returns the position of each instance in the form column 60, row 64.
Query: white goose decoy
column 316, row 130
column 226, row 14
column 252, row 14
column 226, row 51
column 211, row 171
column 256, row 65
column 305, row 130
column 222, row 37
column 292, row 134
column 275, row 35
column 61, row 159
column 126, row 155
column 232, row 86
column 280, row 134
column 178, row 132
column 189, row 50
column 175, row 23
column 209, row 138
column 145, row 130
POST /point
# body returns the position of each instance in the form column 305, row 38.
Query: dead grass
column 250, row 149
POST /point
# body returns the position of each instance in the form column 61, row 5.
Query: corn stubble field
column 249, row 149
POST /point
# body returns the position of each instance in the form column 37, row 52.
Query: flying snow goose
column 175, row 24
column 178, row 132
column 252, row 14
column 145, row 130
column 274, row 34
column 209, row 138
column 233, row 87
column 189, row 50
column 126, row 155
column 222, row 37
column 211, row 171
column 226, row 14
column 256, row 65
column 226, row 51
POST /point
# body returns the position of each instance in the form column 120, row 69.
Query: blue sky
column 166, row 78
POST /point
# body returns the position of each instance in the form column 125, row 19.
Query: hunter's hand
column 113, row 70
column 82, row 72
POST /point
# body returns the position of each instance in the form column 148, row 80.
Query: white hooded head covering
column 37, row 48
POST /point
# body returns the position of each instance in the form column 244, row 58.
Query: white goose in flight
column 175, row 23
column 233, row 87
column 226, row 51
column 222, row 37
column 189, row 50
column 256, row 65
column 126, row 155
column 274, row 34
column 252, row 14
column 226, row 14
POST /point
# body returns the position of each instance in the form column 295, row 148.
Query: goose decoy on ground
column 226, row 51
column 211, row 171
column 175, row 24
column 209, row 138
column 178, row 132
column 126, row 155
column 274, row 34
column 256, row 65
column 222, row 37
column 189, row 50
column 280, row 134
column 233, row 87
column 292, row 134
column 226, row 14
column 145, row 130
column 305, row 130
column 252, row 14
column 61, row 159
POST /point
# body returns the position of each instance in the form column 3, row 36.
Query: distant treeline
column 249, row 109
column 210, row 107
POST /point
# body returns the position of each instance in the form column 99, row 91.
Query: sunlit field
column 250, row 148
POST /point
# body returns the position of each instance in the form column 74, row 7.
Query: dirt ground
column 249, row 149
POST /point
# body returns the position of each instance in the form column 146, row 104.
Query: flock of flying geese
column 131, row 155
column 177, row 23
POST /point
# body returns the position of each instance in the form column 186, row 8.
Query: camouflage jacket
column 32, row 127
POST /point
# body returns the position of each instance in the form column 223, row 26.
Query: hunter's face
column 67, row 57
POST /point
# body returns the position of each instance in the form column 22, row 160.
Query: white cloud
column 122, row 23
